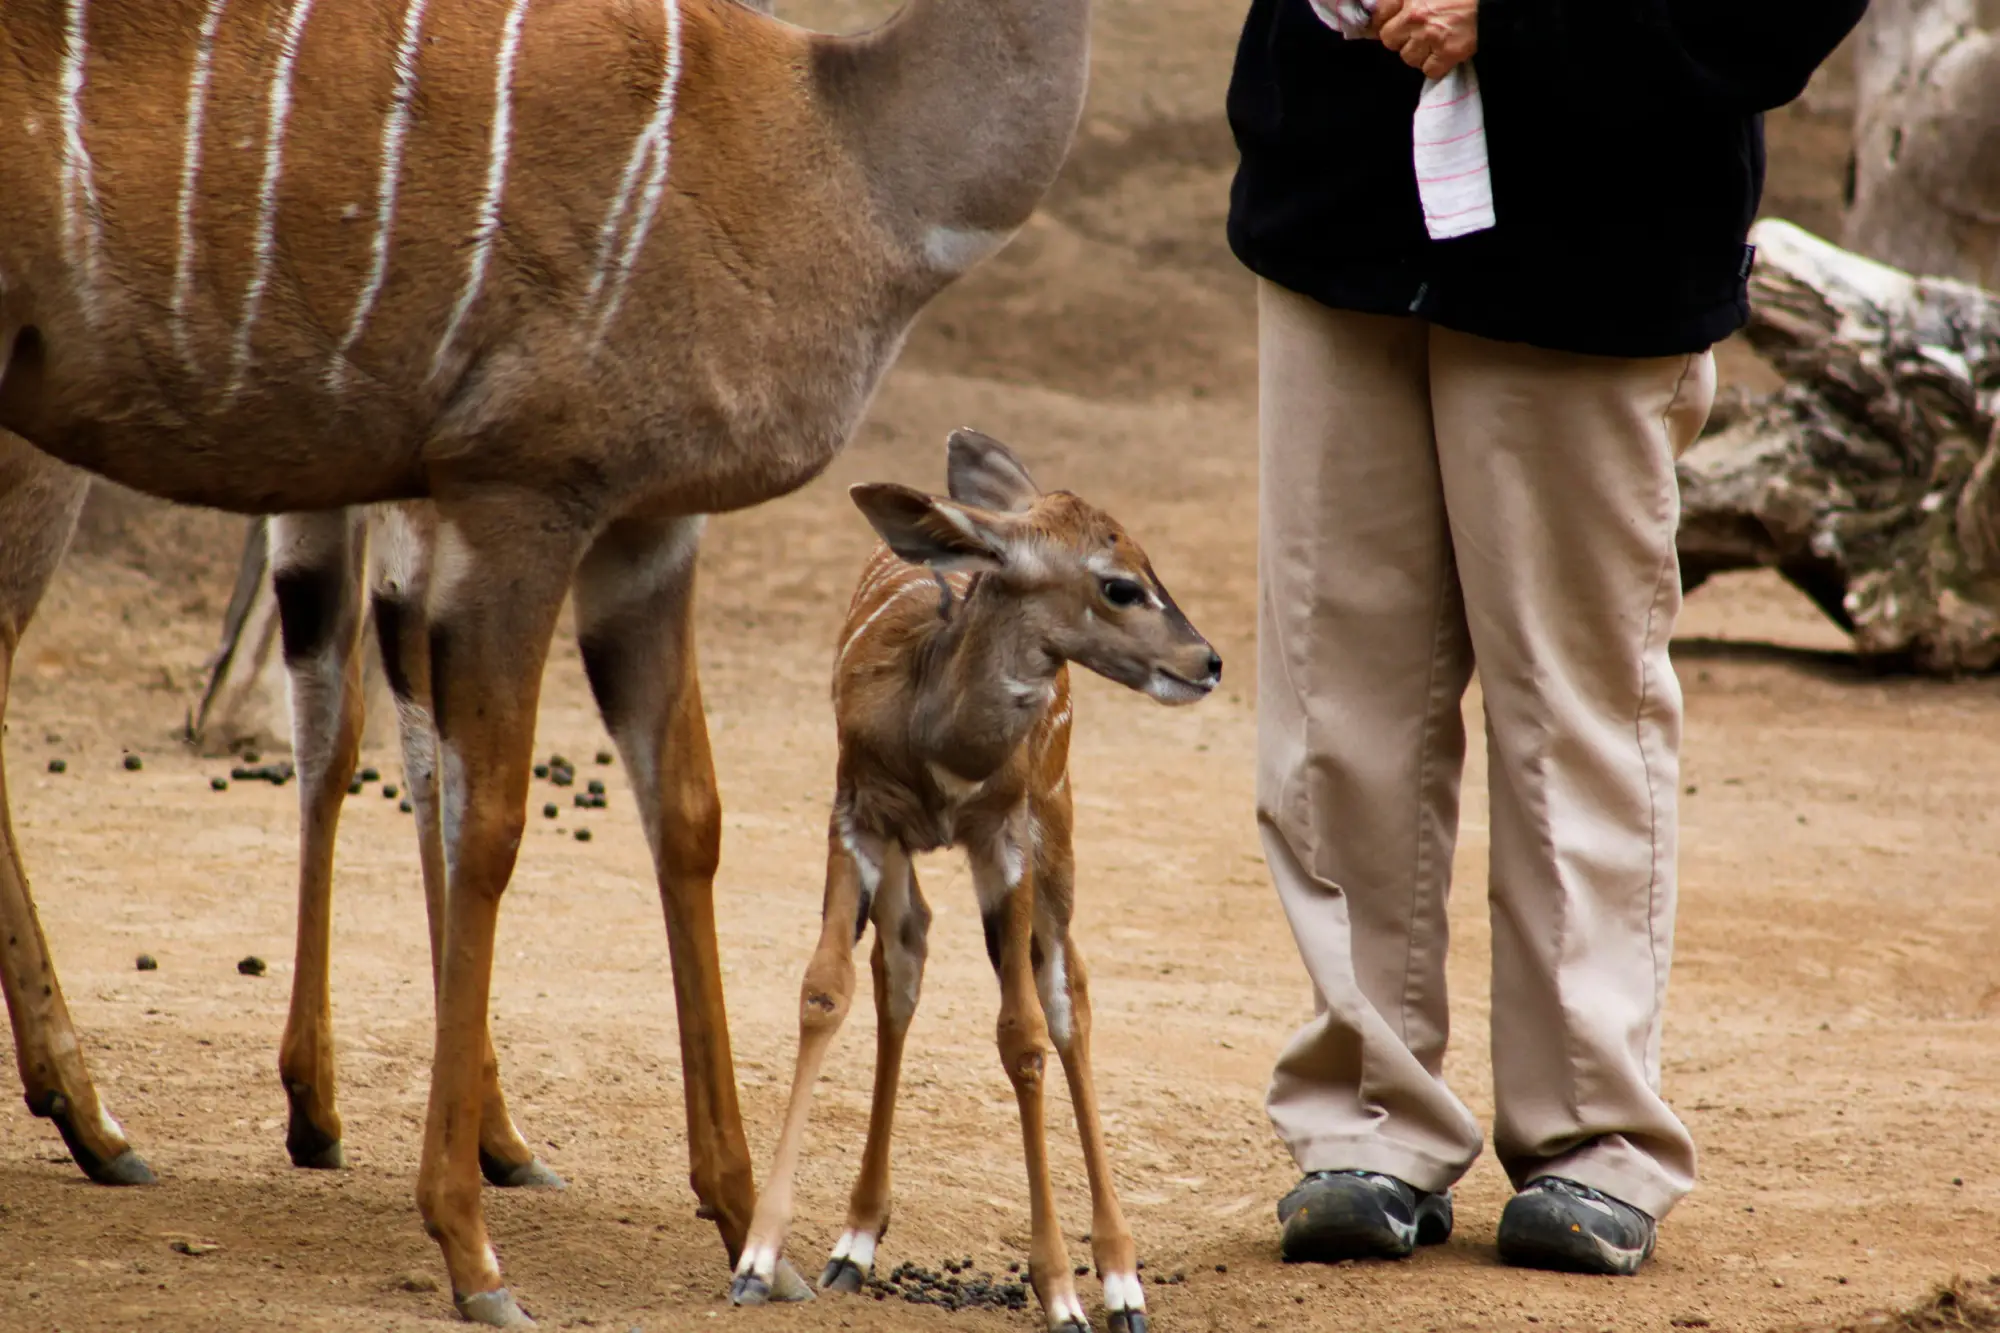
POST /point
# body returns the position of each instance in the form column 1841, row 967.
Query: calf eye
column 1123, row 592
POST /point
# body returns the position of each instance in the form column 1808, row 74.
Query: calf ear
column 984, row 472
column 928, row 531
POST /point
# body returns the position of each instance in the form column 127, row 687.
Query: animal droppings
column 277, row 774
column 948, row 1290
column 58, row 766
column 550, row 811
column 595, row 788
column 251, row 756
column 251, row 966
column 133, row 763
column 218, row 784
column 371, row 775
column 405, row 807
column 1222, row 1268
column 541, row 771
column 562, row 777
column 585, row 801
column 604, row 756
column 148, row 963
column 583, row 835
column 389, row 791
column 354, row 787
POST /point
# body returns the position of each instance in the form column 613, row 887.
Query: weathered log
column 1872, row 479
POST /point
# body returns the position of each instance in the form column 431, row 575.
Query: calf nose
column 1214, row 665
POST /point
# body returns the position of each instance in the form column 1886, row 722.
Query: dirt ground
column 1831, row 1026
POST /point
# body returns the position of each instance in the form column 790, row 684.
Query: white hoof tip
column 787, row 1286
column 495, row 1309
column 749, row 1289
column 842, row 1275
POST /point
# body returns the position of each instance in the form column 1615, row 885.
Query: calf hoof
column 532, row 1174
column 308, row 1145
column 495, row 1309
column 842, row 1275
column 1128, row 1321
column 749, row 1289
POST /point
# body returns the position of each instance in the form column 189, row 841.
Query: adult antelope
column 951, row 697
column 576, row 274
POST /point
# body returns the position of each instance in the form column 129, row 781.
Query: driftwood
column 1872, row 479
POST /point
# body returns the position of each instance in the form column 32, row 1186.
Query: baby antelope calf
column 951, row 695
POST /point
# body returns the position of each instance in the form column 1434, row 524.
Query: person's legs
column 1362, row 664
column 1559, row 479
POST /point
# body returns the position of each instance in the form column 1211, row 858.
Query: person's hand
column 1434, row 36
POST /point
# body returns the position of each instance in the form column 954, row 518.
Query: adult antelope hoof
column 842, row 1275
column 1128, row 1321
column 309, row 1145
column 495, row 1309
column 532, row 1174
column 127, row 1168
column 749, row 1289
column 785, row 1287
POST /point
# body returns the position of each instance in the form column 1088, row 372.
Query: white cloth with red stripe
column 1448, row 137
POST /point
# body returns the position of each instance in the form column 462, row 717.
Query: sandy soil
column 1831, row 1017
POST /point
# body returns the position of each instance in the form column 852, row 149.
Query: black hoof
column 1128, row 1321
column 842, row 1275
column 309, row 1145
column 1071, row 1326
column 749, row 1289
column 532, row 1174
column 127, row 1168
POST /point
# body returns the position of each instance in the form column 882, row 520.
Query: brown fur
column 821, row 191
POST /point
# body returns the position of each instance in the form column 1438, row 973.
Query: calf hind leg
column 39, row 501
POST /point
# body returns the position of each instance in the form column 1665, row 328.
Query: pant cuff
column 1648, row 1191
column 1412, row 1166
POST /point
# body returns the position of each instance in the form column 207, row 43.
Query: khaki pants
column 1430, row 499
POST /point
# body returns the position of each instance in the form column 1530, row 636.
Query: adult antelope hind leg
column 405, row 537
column 635, row 627
column 39, row 501
column 1064, row 986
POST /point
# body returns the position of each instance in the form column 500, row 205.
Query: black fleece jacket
column 1627, row 149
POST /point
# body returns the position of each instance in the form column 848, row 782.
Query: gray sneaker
column 1335, row 1215
column 1565, row 1227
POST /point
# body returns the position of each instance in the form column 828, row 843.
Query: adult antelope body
column 951, row 697
column 575, row 273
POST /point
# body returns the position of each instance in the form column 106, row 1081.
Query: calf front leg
column 1007, row 905
column 902, row 932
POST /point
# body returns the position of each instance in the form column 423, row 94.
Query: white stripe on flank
column 655, row 144
column 841, row 658
column 79, row 182
column 197, row 117
column 499, row 146
column 395, row 129
column 264, row 240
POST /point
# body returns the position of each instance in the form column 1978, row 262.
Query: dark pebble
column 604, row 756
column 58, row 766
column 148, row 963
column 370, row 775
column 583, row 835
column 549, row 811
column 218, row 784
column 405, row 807
column 541, row 770
column 133, row 763
column 253, row 966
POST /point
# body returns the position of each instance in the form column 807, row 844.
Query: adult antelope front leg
column 503, row 563
column 635, row 611
column 39, row 501
column 406, row 535
column 316, row 572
